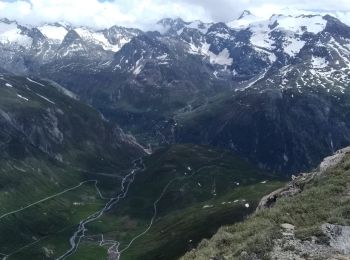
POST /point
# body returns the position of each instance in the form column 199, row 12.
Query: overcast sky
column 142, row 13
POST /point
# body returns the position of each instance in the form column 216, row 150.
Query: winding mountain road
column 117, row 254
column 44, row 199
column 79, row 234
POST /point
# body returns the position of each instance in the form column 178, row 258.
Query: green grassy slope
column 194, row 190
column 324, row 200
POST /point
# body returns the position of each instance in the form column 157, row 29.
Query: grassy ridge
column 324, row 200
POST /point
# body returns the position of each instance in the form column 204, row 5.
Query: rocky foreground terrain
column 306, row 219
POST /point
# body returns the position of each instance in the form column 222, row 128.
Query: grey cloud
column 225, row 10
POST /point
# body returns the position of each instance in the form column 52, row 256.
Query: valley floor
column 181, row 195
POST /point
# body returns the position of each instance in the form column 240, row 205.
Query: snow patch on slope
column 73, row 48
column 45, row 98
column 138, row 67
column 97, row 38
column 292, row 46
column 222, row 58
column 21, row 97
column 33, row 81
column 261, row 36
column 63, row 90
column 318, row 62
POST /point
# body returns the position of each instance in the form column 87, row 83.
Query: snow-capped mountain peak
column 111, row 39
column 298, row 24
column 280, row 32
column 244, row 14
column 176, row 26
column 12, row 33
column 54, row 32
column 245, row 49
column 244, row 20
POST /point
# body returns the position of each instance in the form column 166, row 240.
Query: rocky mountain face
column 39, row 118
column 282, row 128
column 26, row 49
column 293, row 67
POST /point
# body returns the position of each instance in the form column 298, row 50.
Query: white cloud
column 141, row 13
column 137, row 13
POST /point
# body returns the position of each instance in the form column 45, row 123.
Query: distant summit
column 244, row 14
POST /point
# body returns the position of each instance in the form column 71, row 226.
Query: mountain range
column 295, row 67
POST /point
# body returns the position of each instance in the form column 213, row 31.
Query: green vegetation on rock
column 323, row 200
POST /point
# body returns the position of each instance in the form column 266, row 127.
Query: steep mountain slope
column 145, row 81
column 281, row 129
column 310, row 220
column 55, row 152
column 49, row 119
column 284, row 108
